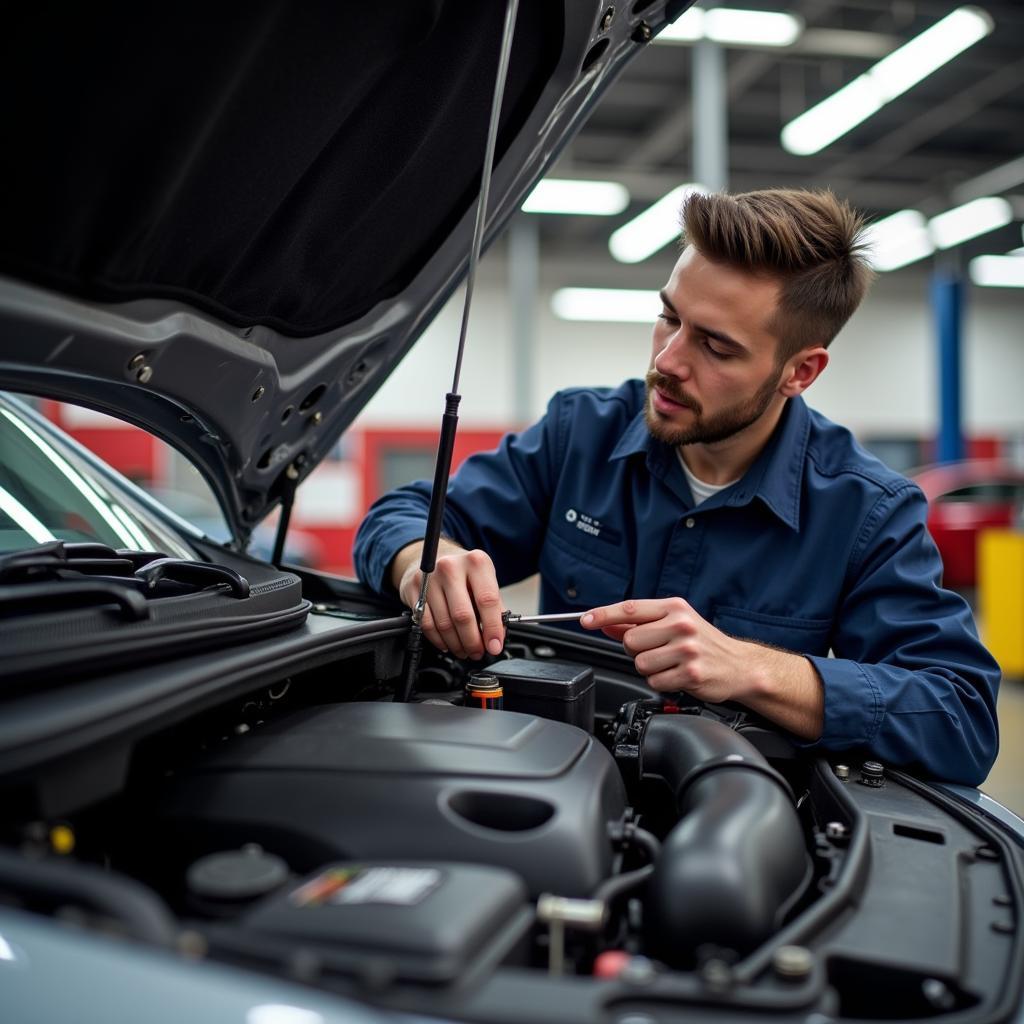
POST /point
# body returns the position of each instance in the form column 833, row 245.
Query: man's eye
column 669, row 318
column 714, row 352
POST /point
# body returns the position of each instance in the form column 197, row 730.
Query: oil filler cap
column 236, row 875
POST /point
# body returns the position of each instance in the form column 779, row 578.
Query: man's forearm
column 787, row 690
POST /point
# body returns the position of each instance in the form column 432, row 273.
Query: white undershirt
column 698, row 488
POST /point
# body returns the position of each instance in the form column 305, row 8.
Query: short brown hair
column 808, row 241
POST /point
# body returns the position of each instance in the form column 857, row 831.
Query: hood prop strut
column 291, row 482
column 450, row 420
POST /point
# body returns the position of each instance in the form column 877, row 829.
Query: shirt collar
column 634, row 439
column 775, row 476
column 777, row 473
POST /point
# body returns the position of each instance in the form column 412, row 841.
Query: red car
column 965, row 498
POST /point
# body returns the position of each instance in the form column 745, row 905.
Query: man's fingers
column 445, row 623
column 458, row 624
column 631, row 612
column 650, row 662
column 616, row 632
column 430, row 631
column 466, row 625
column 647, row 636
column 409, row 592
column 668, row 681
column 483, row 586
column 489, row 605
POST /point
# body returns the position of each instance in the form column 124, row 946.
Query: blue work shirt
column 818, row 549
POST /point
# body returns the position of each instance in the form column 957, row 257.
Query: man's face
column 714, row 369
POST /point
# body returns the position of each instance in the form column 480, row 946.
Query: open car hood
column 228, row 226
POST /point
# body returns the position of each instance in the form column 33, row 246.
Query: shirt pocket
column 580, row 582
column 801, row 636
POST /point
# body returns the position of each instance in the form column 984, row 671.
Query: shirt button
column 570, row 591
column 690, row 523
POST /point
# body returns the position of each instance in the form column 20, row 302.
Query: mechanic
column 741, row 546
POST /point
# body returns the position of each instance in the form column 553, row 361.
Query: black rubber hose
column 50, row 884
column 613, row 887
column 647, row 841
column 737, row 859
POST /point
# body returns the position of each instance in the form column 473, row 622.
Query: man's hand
column 674, row 648
column 463, row 613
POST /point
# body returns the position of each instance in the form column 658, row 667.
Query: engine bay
column 588, row 846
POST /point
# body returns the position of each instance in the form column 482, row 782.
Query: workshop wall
column 882, row 379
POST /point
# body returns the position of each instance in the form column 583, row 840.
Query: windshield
column 48, row 492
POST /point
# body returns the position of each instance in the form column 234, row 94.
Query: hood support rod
column 291, row 482
column 450, row 420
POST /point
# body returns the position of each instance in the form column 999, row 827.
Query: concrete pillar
column 523, row 292
column 710, row 116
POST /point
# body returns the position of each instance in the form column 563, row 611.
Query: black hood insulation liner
column 271, row 163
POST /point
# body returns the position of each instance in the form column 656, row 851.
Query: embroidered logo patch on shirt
column 592, row 527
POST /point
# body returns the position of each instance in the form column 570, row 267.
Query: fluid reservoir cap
column 237, row 874
column 484, row 681
column 872, row 773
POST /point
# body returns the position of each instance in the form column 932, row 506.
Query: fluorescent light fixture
column 733, row 27
column 892, row 76
column 564, row 195
column 997, row 271
column 897, row 240
column 906, row 236
column 687, row 28
column 967, row 221
column 751, row 28
column 621, row 305
column 651, row 230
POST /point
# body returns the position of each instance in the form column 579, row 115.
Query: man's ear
column 802, row 371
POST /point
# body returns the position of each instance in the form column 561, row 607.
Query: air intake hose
column 737, row 859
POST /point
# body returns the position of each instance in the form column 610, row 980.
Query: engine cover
column 424, row 781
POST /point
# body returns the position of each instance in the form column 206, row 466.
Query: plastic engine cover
column 430, row 921
column 419, row 781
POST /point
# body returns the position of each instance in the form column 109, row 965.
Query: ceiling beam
column 991, row 182
column 671, row 135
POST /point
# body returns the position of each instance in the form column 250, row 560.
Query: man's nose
column 673, row 360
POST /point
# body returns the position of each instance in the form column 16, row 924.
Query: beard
column 721, row 425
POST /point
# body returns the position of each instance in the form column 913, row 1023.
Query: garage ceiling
column 924, row 150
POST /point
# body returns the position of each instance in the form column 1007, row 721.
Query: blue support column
column 947, row 306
